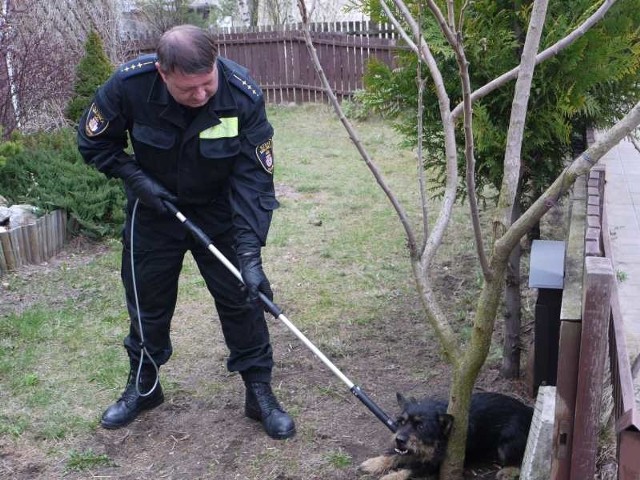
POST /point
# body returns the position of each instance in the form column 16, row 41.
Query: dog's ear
column 446, row 423
column 401, row 400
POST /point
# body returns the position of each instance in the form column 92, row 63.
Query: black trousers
column 159, row 246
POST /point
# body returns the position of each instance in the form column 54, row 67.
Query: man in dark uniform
column 201, row 140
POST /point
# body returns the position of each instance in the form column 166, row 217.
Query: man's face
column 191, row 90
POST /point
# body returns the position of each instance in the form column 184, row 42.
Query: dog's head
column 423, row 429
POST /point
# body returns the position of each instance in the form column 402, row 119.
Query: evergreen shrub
column 93, row 70
column 48, row 172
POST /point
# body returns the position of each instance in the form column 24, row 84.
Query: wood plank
column 34, row 243
column 629, row 458
column 566, row 386
column 3, row 261
column 593, row 346
column 9, row 253
column 16, row 240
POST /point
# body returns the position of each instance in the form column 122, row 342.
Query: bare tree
column 161, row 15
column 278, row 12
column 41, row 44
column 467, row 359
column 36, row 50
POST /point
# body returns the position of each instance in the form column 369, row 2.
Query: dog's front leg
column 378, row 465
column 403, row 474
column 508, row 473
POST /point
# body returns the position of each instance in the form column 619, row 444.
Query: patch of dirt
column 200, row 432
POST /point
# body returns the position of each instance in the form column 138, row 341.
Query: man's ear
column 159, row 70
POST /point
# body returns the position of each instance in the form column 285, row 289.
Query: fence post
column 596, row 306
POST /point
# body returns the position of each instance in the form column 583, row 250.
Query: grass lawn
column 337, row 260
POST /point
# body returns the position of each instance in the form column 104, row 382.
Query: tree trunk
column 465, row 375
column 245, row 13
column 513, row 312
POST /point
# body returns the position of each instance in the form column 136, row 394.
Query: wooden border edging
column 33, row 243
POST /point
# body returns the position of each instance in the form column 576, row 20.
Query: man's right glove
column 253, row 276
column 150, row 192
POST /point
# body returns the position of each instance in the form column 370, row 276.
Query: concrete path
column 622, row 204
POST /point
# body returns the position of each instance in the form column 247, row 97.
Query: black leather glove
column 150, row 192
column 253, row 276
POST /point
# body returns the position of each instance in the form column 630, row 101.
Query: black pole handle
column 375, row 409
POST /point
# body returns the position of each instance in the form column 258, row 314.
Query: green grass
column 339, row 459
column 52, row 356
column 85, row 460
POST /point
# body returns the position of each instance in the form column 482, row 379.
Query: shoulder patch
column 96, row 122
column 145, row 63
column 264, row 154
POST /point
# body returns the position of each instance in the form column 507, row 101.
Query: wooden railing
column 591, row 327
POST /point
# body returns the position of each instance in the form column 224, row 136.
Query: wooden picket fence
column 279, row 61
column 34, row 243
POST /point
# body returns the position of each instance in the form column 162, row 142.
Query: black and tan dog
column 498, row 430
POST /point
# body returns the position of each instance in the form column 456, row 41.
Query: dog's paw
column 376, row 465
column 508, row 473
column 403, row 474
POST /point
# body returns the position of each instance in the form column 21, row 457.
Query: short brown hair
column 188, row 49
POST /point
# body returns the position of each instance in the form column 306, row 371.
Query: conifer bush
column 48, row 172
column 92, row 71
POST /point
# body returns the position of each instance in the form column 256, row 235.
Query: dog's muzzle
column 401, row 445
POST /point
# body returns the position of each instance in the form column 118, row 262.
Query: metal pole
column 277, row 313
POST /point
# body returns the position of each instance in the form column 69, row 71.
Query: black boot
column 131, row 403
column 262, row 405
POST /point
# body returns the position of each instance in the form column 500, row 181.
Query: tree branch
column 456, row 42
column 512, row 159
column 448, row 200
column 581, row 165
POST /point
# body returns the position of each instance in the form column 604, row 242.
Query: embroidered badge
column 95, row 123
column 264, row 152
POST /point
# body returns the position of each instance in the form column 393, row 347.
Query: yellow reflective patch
column 227, row 128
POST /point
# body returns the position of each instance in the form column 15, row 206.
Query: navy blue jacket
column 219, row 164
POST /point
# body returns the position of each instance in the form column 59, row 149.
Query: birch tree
column 466, row 359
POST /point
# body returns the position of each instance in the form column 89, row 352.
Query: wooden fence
column 591, row 325
column 280, row 63
column 34, row 243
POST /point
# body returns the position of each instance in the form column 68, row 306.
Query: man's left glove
column 253, row 276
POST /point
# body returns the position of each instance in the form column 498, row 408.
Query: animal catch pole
column 277, row 313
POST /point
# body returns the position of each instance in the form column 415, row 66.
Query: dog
column 498, row 430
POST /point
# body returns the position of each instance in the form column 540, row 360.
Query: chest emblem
column 264, row 153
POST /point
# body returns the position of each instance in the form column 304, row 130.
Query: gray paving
column 622, row 203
